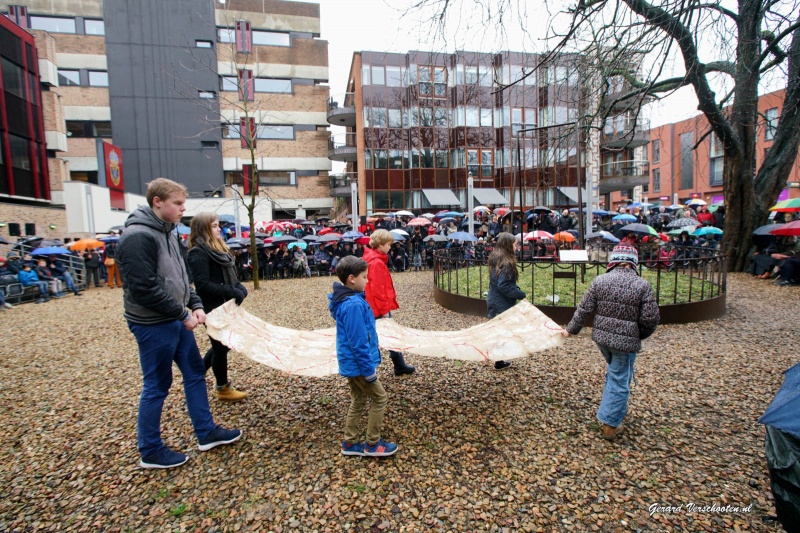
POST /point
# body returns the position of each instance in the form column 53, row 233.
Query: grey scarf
column 223, row 259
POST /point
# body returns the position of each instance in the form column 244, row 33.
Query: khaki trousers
column 360, row 390
column 113, row 274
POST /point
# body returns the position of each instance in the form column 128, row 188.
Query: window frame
column 33, row 18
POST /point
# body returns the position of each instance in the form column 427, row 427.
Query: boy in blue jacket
column 358, row 356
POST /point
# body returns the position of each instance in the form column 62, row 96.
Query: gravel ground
column 480, row 450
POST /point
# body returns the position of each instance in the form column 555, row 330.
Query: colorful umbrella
column 419, row 221
column 641, row 229
column 86, row 244
column 624, row 218
column 564, row 236
column 792, row 205
column 696, row 201
column 501, row 211
column 462, row 236
column 481, row 209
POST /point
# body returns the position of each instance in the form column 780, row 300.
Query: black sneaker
column 501, row 365
column 164, row 458
column 218, row 437
column 40, row 301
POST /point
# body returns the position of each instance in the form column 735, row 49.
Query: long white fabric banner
column 519, row 332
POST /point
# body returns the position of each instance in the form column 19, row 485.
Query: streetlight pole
column 578, row 157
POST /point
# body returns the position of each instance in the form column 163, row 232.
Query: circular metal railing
column 689, row 283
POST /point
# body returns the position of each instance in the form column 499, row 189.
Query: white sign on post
column 573, row 256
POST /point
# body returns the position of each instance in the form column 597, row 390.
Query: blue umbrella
column 300, row 244
column 183, row 230
column 50, row 250
column 352, row 234
column 462, row 236
column 452, row 214
column 606, row 236
column 624, row 218
column 228, row 219
column 110, row 238
column 706, row 230
column 640, row 204
column 782, row 412
column 600, row 212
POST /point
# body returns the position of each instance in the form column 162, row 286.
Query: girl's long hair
column 201, row 230
column 503, row 256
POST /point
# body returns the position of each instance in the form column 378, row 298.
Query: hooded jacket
column 155, row 282
column 503, row 293
column 356, row 337
column 625, row 310
column 380, row 290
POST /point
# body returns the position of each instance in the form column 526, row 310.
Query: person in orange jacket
column 380, row 292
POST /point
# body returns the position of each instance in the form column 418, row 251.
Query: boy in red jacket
column 380, row 289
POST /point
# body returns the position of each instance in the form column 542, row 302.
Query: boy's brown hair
column 350, row 266
column 164, row 188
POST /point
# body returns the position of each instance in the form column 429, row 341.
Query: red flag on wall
column 247, row 174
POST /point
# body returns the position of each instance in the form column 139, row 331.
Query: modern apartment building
column 172, row 92
column 418, row 124
column 680, row 172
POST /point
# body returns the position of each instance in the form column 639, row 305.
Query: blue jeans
column 619, row 375
column 159, row 346
column 68, row 281
column 43, row 287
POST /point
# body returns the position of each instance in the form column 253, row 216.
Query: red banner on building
column 247, row 174
column 112, row 164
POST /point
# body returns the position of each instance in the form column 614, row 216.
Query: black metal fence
column 678, row 275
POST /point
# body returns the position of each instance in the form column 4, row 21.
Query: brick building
column 418, row 124
column 678, row 173
column 166, row 92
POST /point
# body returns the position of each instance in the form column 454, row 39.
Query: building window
column 615, row 84
column 657, row 180
column 206, row 95
column 440, row 117
column 395, row 118
column 277, row 177
column 226, row 35
column 432, row 81
column 89, row 176
column 687, row 160
column 94, row 27
column 53, row 24
column 656, row 150
column 229, row 83
column 271, row 131
column 716, row 157
column 13, row 79
column 272, row 85
column 378, row 76
column 98, row 78
column 270, row 38
column 209, row 144
column 771, row 124
column 394, row 77
column 204, row 44
column 20, row 152
column 88, row 129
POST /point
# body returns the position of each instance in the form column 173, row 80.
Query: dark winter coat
column 155, row 281
column 625, row 310
column 503, row 293
column 209, row 280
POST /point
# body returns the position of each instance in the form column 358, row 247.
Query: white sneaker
column 7, row 305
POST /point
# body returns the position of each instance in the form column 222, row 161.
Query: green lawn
column 670, row 287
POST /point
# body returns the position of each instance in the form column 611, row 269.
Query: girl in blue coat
column 503, row 274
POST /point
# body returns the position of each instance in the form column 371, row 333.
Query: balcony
column 342, row 110
column 340, row 184
column 342, row 147
column 622, row 131
column 623, row 175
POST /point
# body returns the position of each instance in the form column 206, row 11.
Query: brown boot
column 227, row 393
column 610, row 432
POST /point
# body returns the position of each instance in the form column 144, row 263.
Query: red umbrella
column 792, row 229
column 501, row 211
column 418, row 222
column 324, row 231
column 362, row 240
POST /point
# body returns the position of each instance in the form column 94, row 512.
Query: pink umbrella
column 501, row 211
column 418, row 222
column 538, row 234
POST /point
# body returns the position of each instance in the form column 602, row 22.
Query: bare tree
column 735, row 50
